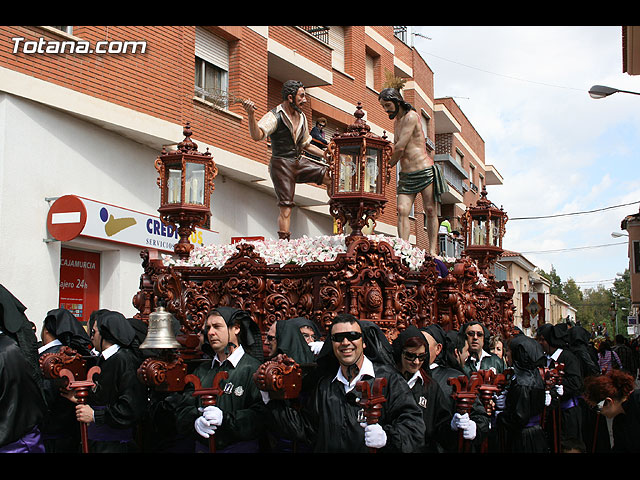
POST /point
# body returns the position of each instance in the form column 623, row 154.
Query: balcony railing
column 451, row 172
column 450, row 246
column 400, row 33
column 320, row 32
column 429, row 143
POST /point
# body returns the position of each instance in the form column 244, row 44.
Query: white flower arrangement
column 299, row 251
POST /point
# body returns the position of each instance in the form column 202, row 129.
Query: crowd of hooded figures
column 593, row 408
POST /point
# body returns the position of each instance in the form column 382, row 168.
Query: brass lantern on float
column 359, row 163
column 483, row 227
column 185, row 178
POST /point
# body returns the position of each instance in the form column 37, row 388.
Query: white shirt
column 414, row 379
column 483, row 354
column 52, row 343
column 269, row 122
column 234, row 358
column 554, row 357
column 112, row 350
column 366, row 369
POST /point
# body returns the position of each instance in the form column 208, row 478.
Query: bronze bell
column 160, row 333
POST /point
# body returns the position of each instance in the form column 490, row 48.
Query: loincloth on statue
column 411, row 183
column 286, row 172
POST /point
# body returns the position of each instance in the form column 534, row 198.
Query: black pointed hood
column 64, row 325
column 115, row 328
column 291, row 342
column 398, row 344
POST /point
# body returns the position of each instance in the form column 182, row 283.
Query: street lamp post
column 600, row 91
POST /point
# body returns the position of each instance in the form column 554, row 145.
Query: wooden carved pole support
column 81, row 391
column 552, row 377
column 372, row 400
column 465, row 391
column 487, row 389
column 209, row 396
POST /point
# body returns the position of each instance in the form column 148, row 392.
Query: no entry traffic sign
column 66, row 218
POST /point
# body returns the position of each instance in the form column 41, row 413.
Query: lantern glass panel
column 372, row 183
column 478, row 231
column 194, row 183
column 349, row 171
column 174, row 184
column 494, row 237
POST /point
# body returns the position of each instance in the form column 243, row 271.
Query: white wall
column 48, row 153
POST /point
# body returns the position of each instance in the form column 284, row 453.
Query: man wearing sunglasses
column 333, row 419
column 479, row 358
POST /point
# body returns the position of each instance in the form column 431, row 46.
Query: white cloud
column 524, row 89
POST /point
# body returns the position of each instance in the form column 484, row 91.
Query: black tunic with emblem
column 330, row 420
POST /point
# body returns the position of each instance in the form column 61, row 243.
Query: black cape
column 21, row 404
column 431, row 400
column 520, row 421
column 330, row 419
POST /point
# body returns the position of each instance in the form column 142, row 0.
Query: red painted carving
column 372, row 400
column 81, row 391
column 281, row 377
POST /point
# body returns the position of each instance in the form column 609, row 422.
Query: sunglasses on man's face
column 351, row 336
column 412, row 356
column 475, row 334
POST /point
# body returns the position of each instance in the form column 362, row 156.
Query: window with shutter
column 336, row 42
column 211, row 67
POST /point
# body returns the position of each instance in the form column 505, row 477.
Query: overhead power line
column 505, row 76
column 577, row 248
column 573, row 213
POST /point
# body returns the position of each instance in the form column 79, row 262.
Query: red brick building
column 85, row 110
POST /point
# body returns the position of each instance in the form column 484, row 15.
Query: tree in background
column 596, row 308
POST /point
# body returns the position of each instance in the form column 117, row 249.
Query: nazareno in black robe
column 60, row 429
column 119, row 399
column 22, row 405
column 519, row 423
column 431, row 400
column 330, row 420
column 568, row 422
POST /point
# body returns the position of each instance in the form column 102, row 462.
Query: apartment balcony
column 454, row 175
column 492, row 176
column 287, row 61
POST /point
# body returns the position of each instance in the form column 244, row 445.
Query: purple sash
column 105, row 433
column 29, row 443
column 533, row 421
column 572, row 402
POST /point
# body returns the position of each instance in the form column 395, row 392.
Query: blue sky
column 525, row 90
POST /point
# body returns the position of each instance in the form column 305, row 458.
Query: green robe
column 241, row 403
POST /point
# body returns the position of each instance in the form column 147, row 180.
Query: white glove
column 316, row 347
column 213, row 415
column 559, row 390
column 501, row 401
column 469, row 432
column 375, row 436
column 459, row 422
column 203, row 428
column 547, row 398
